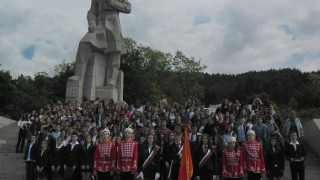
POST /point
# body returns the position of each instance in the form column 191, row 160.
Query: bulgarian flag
column 186, row 166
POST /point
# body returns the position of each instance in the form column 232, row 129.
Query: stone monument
column 97, row 65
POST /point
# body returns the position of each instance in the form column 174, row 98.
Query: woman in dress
column 205, row 160
column 274, row 160
column 57, row 159
column 43, row 161
column 218, row 147
column 87, row 158
column 149, row 160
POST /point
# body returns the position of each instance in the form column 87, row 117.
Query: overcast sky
column 229, row 36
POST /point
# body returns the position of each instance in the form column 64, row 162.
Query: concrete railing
column 311, row 134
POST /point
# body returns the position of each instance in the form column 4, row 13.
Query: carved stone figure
column 97, row 71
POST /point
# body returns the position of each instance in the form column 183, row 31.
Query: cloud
column 228, row 36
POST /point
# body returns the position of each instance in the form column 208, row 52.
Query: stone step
column 9, row 135
column 3, row 159
column 11, row 155
column 13, row 177
column 9, row 130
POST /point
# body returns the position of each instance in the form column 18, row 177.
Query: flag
column 186, row 166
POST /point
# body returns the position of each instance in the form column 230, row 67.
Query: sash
column 150, row 158
column 174, row 161
column 205, row 158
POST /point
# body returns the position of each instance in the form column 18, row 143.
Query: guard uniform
column 232, row 164
column 105, row 159
column 252, row 154
column 127, row 158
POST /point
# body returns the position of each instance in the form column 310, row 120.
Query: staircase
column 11, row 163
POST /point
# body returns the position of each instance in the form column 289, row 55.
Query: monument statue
column 97, row 65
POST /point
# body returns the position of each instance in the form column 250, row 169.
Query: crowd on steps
column 104, row 140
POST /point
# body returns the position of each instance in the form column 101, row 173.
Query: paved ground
column 13, row 166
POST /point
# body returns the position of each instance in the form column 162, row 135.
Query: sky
column 228, row 36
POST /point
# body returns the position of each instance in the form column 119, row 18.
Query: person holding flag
column 149, row 160
column 174, row 156
column 186, row 166
column 205, row 160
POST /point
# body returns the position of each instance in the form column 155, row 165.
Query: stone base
column 75, row 92
column 107, row 92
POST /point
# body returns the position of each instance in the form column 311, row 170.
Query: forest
column 150, row 73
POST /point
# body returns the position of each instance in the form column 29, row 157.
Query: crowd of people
column 94, row 139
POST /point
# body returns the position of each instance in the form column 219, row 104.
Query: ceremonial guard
column 105, row 157
column 253, row 158
column 127, row 157
column 205, row 160
column 149, row 160
column 232, row 161
column 175, row 154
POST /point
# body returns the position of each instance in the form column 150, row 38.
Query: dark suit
column 99, row 119
column 209, row 168
column 275, row 161
column 73, row 159
column 51, row 142
column 174, row 159
column 154, row 166
column 44, row 162
column 296, row 167
column 58, row 158
column 30, row 165
column 87, row 155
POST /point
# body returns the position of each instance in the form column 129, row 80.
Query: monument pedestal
column 75, row 92
column 107, row 93
column 74, row 89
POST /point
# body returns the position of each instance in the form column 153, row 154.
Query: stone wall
column 311, row 134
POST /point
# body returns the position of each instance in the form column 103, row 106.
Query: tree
column 62, row 72
column 150, row 73
column 308, row 95
column 5, row 90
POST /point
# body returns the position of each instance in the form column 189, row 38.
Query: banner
column 186, row 166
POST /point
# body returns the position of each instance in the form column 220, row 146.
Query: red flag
column 186, row 166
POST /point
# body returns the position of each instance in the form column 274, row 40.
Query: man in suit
column 72, row 154
column 31, row 156
column 296, row 155
column 100, row 116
